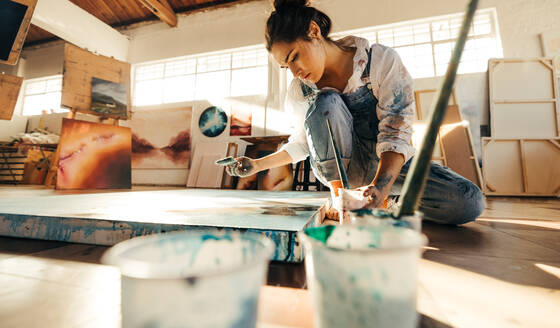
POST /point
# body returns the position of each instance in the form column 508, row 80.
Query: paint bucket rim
column 421, row 241
column 145, row 270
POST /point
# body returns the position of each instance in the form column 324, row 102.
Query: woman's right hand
column 243, row 167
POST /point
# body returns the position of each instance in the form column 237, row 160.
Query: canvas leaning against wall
column 212, row 121
column 161, row 139
column 93, row 156
column 241, row 121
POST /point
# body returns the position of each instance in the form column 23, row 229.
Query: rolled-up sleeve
column 296, row 146
column 393, row 87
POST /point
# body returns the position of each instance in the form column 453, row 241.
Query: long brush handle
column 416, row 179
column 339, row 164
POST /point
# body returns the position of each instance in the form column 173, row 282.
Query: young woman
column 367, row 94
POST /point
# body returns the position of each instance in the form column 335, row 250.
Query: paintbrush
column 226, row 161
column 416, row 179
column 339, row 164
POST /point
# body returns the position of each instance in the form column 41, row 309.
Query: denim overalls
column 448, row 197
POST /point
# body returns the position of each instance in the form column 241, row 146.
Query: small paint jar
column 363, row 275
column 191, row 279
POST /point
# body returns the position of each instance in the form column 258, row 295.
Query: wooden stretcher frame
column 10, row 86
column 438, row 155
column 79, row 67
column 420, row 108
column 496, row 128
column 521, row 157
column 204, row 172
column 227, row 180
column 477, row 174
column 22, row 33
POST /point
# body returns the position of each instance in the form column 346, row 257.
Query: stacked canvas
column 522, row 156
column 454, row 147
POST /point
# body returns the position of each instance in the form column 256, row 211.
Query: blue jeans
column 448, row 197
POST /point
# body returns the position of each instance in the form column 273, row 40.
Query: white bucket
column 191, row 279
column 363, row 276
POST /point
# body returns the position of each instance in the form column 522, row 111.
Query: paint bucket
column 380, row 217
column 363, row 276
column 191, row 279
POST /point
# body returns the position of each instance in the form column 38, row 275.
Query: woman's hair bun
column 279, row 4
column 290, row 21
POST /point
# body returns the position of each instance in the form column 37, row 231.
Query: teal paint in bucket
column 381, row 217
column 363, row 275
column 191, row 279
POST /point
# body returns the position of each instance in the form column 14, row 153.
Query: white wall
column 43, row 60
column 520, row 22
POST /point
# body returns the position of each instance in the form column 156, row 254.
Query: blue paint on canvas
column 212, row 121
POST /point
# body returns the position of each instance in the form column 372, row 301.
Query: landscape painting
column 161, row 139
column 108, row 97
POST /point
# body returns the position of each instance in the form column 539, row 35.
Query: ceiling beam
column 161, row 9
column 75, row 25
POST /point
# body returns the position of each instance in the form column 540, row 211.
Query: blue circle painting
column 212, row 121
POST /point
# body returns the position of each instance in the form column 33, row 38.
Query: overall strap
column 365, row 74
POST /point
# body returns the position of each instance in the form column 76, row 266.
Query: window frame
column 258, row 49
column 493, row 34
column 46, row 79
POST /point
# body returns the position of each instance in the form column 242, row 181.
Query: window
column 225, row 74
column 425, row 46
column 42, row 96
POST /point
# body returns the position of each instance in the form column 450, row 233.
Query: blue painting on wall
column 212, row 121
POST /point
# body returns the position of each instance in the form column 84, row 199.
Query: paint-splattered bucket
column 380, row 217
column 363, row 276
column 191, row 279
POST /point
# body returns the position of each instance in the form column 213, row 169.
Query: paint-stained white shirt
column 391, row 84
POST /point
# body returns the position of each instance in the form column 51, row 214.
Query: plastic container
column 191, row 279
column 363, row 276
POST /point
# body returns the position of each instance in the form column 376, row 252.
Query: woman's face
column 305, row 59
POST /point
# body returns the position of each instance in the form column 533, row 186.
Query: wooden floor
column 501, row 271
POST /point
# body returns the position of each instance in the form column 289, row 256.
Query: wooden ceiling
column 123, row 12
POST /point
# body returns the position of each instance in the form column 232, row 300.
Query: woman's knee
column 471, row 205
column 329, row 104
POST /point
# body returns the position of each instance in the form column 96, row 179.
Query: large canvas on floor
column 161, row 139
column 93, row 156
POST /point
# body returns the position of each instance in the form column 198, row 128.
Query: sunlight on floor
column 525, row 222
column 555, row 271
column 495, row 302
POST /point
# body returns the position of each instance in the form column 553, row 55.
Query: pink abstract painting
column 93, row 156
